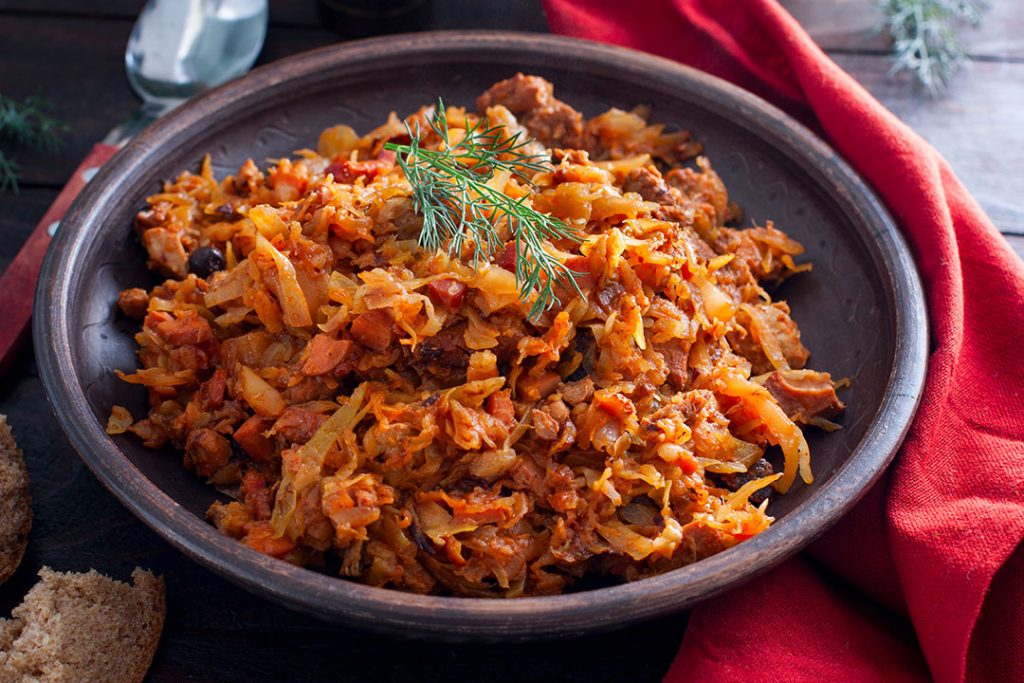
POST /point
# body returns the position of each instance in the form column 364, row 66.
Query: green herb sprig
column 25, row 124
column 924, row 37
column 450, row 192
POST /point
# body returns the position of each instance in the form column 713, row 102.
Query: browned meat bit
column 544, row 426
column 445, row 353
column 577, row 392
column 166, row 251
column 775, row 322
column 763, row 250
column 134, row 303
column 676, row 356
column 649, row 184
column 704, row 186
column 804, row 394
column 248, row 179
column 499, row 404
column 733, row 482
column 531, row 98
column 447, row 292
column 206, row 451
column 373, row 329
column 153, row 217
column 298, row 424
column 180, row 329
column 325, row 354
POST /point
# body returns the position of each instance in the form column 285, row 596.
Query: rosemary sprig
column 450, row 191
column 924, row 37
column 25, row 124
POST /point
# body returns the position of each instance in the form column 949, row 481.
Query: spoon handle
column 143, row 116
column 18, row 282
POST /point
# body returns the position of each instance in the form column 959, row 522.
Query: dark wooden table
column 71, row 52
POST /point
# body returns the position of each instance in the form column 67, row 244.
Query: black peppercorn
column 205, row 261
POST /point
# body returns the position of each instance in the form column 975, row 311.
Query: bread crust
column 15, row 503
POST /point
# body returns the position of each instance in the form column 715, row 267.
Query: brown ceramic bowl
column 861, row 309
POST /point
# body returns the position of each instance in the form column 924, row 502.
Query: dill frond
column 924, row 37
column 25, row 124
column 461, row 211
column 8, row 174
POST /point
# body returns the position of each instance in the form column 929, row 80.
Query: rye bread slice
column 15, row 504
column 83, row 627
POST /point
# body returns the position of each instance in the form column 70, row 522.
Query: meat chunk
column 373, row 329
column 206, row 451
column 499, row 404
column 166, row 251
column 298, row 424
column 180, row 329
column 676, row 357
column 776, row 322
column 760, row 249
column 577, row 392
column 804, row 394
column 325, row 353
column 347, row 171
column 445, row 352
column 550, row 121
column 133, row 302
column 649, row 184
column 544, row 426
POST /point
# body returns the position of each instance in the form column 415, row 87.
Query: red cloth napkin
column 925, row 578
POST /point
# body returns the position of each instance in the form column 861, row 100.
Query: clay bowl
column 861, row 309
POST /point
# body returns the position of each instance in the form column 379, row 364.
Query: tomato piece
column 499, row 404
column 447, row 291
column 507, row 260
column 346, row 171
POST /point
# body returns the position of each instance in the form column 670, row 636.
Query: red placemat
column 18, row 282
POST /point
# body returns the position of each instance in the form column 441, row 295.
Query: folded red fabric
column 925, row 578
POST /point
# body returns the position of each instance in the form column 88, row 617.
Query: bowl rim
column 453, row 617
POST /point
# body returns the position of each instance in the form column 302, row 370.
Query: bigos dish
column 485, row 353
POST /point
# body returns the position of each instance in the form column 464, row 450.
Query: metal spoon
column 179, row 48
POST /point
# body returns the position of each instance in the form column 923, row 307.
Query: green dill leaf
column 450, row 192
column 25, row 124
column 8, row 174
column 924, row 37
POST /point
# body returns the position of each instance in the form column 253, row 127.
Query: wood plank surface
column 976, row 126
column 845, row 25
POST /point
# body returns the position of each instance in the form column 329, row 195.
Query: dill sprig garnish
column 924, row 37
column 25, row 124
column 450, row 191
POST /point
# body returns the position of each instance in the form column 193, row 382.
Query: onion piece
column 294, row 309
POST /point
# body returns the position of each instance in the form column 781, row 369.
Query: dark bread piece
column 15, row 503
column 83, row 627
